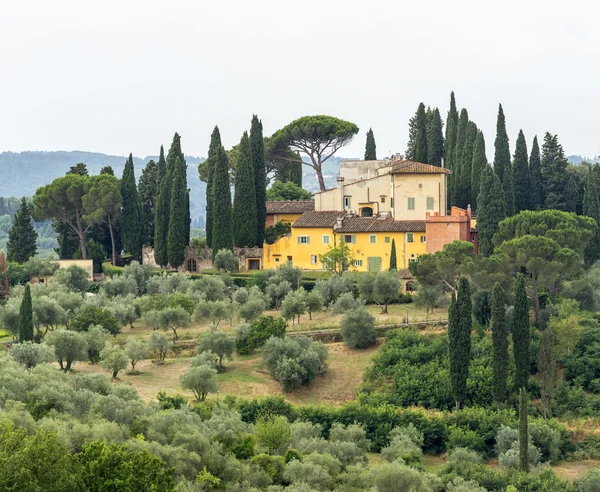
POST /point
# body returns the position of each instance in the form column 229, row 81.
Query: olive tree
column 69, row 346
column 31, row 354
column 386, row 287
column 114, row 359
column 135, row 350
column 200, row 380
column 159, row 344
column 171, row 318
column 96, row 338
column 358, row 328
column 218, row 342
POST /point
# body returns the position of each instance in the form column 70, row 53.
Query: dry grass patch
column 572, row 470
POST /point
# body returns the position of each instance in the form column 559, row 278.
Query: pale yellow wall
column 289, row 218
column 86, row 265
column 397, row 186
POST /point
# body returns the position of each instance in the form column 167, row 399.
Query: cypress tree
column 213, row 150
column 574, row 192
column 257, row 147
column 523, row 432
column 461, row 132
column 244, row 200
column 22, row 236
column 459, row 338
column 450, row 144
column 591, row 208
column 175, row 157
column 490, row 210
column 161, row 212
column 435, row 138
column 463, row 197
column 147, row 190
column 393, row 260
column 536, row 195
column 26, row 317
column 370, row 147
column 554, row 173
column 508, row 187
column 479, row 163
column 176, row 240
column 501, row 147
column 421, row 135
column 500, row 344
column 131, row 217
column 522, row 185
column 222, row 233
column 3, row 277
column 520, row 334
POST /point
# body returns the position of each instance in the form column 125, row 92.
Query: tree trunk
column 174, row 332
column 112, row 241
column 81, row 234
column 68, row 366
column 457, row 405
column 321, row 180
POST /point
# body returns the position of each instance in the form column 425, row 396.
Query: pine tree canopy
column 554, row 173
column 521, row 175
column 244, row 201
column 176, row 237
column 370, row 147
column 479, row 163
column 257, row 149
column 22, row 236
column 221, row 224
column 501, row 146
column 131, row 214
column 491, row 207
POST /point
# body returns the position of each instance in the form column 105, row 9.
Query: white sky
column 120, row 76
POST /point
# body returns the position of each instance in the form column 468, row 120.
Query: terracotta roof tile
column 290, row 206
column 375, row 224
column 410, row 167
column 405, row 274
column 318, row 219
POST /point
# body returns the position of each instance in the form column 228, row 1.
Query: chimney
column 340, row 188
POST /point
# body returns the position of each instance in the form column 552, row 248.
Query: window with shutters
column 303, row 240
column 430, row 203
column 410, row 237
column 411, row 203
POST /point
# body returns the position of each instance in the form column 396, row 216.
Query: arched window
column 366, row 212
column 192, row 266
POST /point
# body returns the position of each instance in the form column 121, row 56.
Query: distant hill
column 577, row 159
column 23, row 172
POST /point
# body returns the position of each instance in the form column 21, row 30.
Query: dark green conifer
column 461, row 132
column 435, row 138
column 421, row 135
column 450, row 145
column 22, row 236
column 222, row 232
column 147, row 190
column 463, row 197
column 131, row 217
column 244, row 199
column 508, row 187
column 26, row 317
column 500, row 344
column 393, row 259
column 459, row 340
column 501, row 146
column 479, row 163
column 176, row 240
column 523, row 432
column 175, row 156
column 211, row 160
column 536, row 186
column 521, row 175
column 591, row 208
column 370, row 147
column 161, row 212
column 257, row 147
column 554, row 173
column 520, row 334
column 490, row 210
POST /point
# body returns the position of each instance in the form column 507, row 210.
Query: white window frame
column 423, row 239
column 357, row 263
column 313, row 259
column 347, row 202
column 326, row 238
column 303, row 239
column 372, row 238
column 410, row 237
column 352, row 238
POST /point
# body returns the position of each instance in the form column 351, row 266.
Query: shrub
column 73, row 278
column 114, row 359
column 252, row 308
column 200, row 380
column 311, row 474
column 357, row 328
column 460, row 485
column 293, row 305
column 135, row 350
column 464, row 456
column 510, row 458
column 120, row 286
column 590, row 482
column 401, row 447
column 273, row 433
column 205, row 358
column 159, row 344
column 172, row 318
column 69, row 346
column 346, row 302
column 30, row 354
column 96, row 337
column 465, row 438
column 272, row 465
column 392, row 477
column 335, row 286
column 91, row 315
column 264, row 328
column 225, row 260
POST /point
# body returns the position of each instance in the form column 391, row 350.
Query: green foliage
column 523, row 432
column 257, row 150
column 207, row 169
column 466, row 162
column 148, row 194
column 159, row 344
column 522, row 182
column 178, row 228
column 25, row 328
column 450, row 145
column 501, row 148
column 479, row 163
column 222, row 233
column 520, row 335
column 508, row 187
column 358, row 328
column 259, row 332
column 225, row 260
column 135, row 350
column 114, row 359
column 22, row 236
column 131, row 216
column 273, row 433
column 244, row 216
column 535, row 177
column 201, row 380
column 553, row 168
column 287, row 191
column 417, row 136
column 337, row 259
column 591, row 208
column 169, row 318
column 218, row 342
column 459, row 337
column 435, row 137
column 499, row 330
column 96, row 338
column 30, row 354
column 73, row 278
column 89, row 316
column 69, row 346
column 276, row 231
column 161, row 211
column 370, row 147
column 491, row 209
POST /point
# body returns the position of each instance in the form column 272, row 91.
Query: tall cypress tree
column 147, row 190
column 161, row 212
column 26, row 317
column 393, row 259
column 521, row 175
column 450, row 144
column 459, row 338
column 22, row 236
column 370, row 147
column 421, row 135
column 500, row 344
column 435, row 138
column 257, row 147
column 213, row 150
column 3, row 277
column 463, row 197
column 479, row 163
column 461, row 132
column 591, row 208
column 508, row 187
column 536, row 186
column 554, row 173
column 176, row 240
column 501, row 146
column 222, row 237
column 523, row 432
column 520, row 334
column 131, row 216
column 176, row 157
column 244, row 199
column 490, row 210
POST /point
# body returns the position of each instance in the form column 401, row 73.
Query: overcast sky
column 120, row 76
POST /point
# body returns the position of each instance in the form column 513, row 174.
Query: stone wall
column 198, row 259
